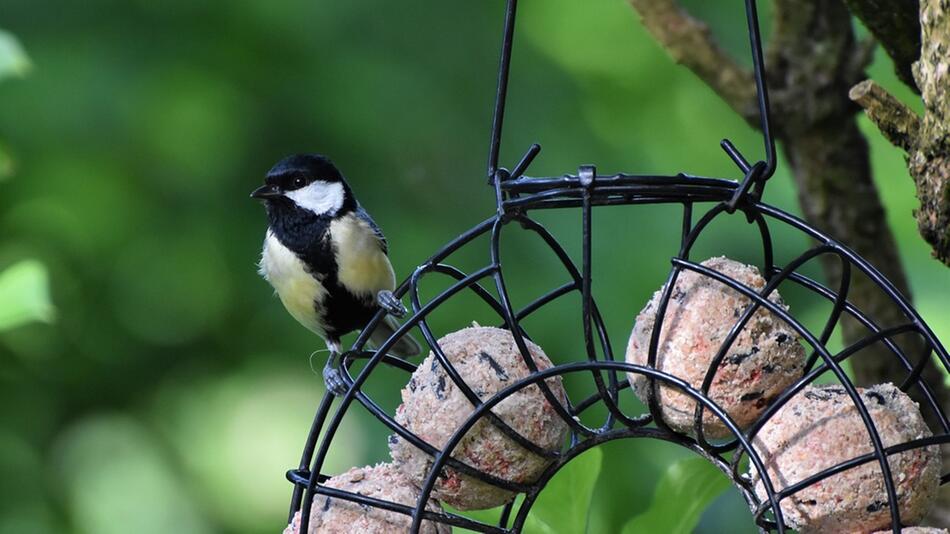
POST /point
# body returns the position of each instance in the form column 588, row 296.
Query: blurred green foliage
column 682, row 494
column 14, row 63
column 13, row 59
column 564, row 504
column 24, row 295
column 173, row 391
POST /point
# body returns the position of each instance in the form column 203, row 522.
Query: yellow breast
column 298, row 290
column 363, row 267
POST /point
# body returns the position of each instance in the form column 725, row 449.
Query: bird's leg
column 332, row 376
column 390, row 303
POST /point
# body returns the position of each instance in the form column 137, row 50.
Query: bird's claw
column 333, row 379
column 390, row 303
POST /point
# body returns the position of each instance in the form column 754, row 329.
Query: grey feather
column 363, row 214
column 405, row 347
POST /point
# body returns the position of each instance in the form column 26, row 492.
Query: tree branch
column 895, row 25
column 898, row 123
column 690, row 43
column 930, row 162
column 926, row 140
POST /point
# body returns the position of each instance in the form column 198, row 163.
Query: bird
column 326, row 258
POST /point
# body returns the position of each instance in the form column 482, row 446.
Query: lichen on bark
column 925, row 139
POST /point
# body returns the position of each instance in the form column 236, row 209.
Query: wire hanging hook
column 762, row 96
column 761, row 174
column 762, row 92
column 501, row 91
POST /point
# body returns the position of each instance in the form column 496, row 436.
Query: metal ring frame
column 517, row 194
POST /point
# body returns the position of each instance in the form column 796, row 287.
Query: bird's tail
column 405, row 347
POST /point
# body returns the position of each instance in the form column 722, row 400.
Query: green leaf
column 13, row 59
column 682, row 494
column 24, row 295
column 565, row 502
column 489, row 516
column 537, row 526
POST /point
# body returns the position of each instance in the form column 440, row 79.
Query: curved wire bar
column 803, row 382
column 873, row 327
column 361, row 378
column 870, row 271
column 307, row 454
column 537, row 378
column 363, row 500
column 448, row 366
column 838, row 306
column 861, row 460
column 781, row 313
column 613, row 435
column 356, row 384
column 440, row 255
column 380, row 414
column 511, row 323
column 493, row 303
column 688, row 239
column 431, row 450
column 592, row 316
column 471, row 282
column 743, row 320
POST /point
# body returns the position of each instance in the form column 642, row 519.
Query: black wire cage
column 517, row 195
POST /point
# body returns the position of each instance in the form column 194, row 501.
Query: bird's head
column 308, row 184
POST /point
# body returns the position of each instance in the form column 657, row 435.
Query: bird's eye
column 298, row 182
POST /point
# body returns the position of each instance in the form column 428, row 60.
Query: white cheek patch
column 319, row 197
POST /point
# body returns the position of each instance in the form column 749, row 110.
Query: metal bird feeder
column 517, row 195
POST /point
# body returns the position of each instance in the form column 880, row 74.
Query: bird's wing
column 362, row 214
column 404, row 347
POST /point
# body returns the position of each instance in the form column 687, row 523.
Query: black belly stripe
column 307, row 235
column 344, row 312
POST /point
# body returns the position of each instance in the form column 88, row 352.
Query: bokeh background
column 169, row 391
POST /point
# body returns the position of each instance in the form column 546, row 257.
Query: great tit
column 325, row 257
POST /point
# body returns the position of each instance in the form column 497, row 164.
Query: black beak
column 265, row 192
